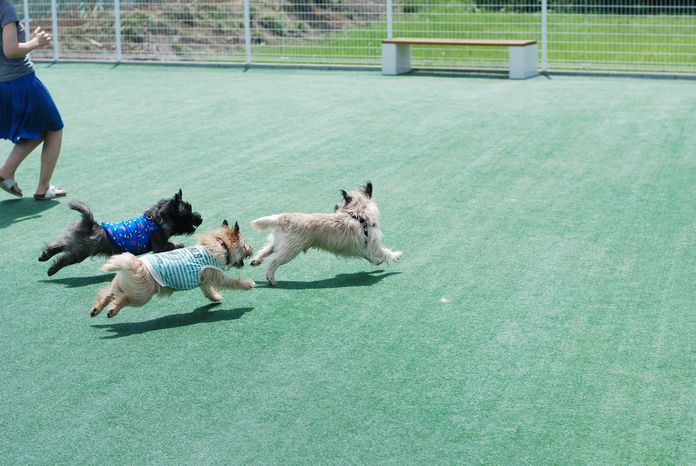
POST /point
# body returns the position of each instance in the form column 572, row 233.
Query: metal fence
column 656, row 36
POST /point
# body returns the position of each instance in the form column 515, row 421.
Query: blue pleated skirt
column 27, row 109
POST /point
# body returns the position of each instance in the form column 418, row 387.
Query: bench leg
column 523, row 62
column 396, row 59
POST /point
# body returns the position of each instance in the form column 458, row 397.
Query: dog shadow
column 343, row 280
column 197, row 316
column 77, row 282
column 16, row 210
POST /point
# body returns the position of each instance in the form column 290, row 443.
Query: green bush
column 412, row 6
column 272, row 25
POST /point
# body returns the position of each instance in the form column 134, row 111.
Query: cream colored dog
column 351, row 231
column 138, row 279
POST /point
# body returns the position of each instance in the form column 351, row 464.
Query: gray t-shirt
column 12, row 68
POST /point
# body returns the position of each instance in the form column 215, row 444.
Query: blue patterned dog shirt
column 132, row 235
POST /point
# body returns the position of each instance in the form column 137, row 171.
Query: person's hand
column 41, row 37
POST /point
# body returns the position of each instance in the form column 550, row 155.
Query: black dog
column 149, row 232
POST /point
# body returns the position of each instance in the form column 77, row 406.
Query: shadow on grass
column 198, row 316
column 339, row 281
column 21, row 210
column 77, row 282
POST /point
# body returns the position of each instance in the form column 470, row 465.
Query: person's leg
column 19, row 152
column 49, row 158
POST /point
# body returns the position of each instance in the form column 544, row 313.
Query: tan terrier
column 351, row 231
column 138, row 279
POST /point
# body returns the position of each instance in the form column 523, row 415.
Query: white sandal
column 10, row 185
column 51, row 193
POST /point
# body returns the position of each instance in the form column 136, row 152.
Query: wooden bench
column 396, row 53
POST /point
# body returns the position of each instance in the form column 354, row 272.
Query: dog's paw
column 255, row 262
column 247, row 284
column 271, row 280
column 397, row 255
column 94, row 312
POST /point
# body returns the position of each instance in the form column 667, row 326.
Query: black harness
column 362, row 222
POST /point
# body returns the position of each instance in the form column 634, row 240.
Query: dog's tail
column 87, row 217
column 125, row 261
column 264, row 223
column 132, row 277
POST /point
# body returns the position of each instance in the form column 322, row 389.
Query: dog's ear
column 368, row 190
column 346, row 197
column 177, row 196
column 225, row 224
column 236, row 227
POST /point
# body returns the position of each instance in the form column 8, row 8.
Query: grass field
column 542, row 312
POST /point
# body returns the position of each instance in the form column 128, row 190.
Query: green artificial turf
column 542, row 313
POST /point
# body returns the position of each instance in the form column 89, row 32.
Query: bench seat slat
column 482, row 42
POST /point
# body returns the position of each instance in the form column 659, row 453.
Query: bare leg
column 50, row 251
column 49, row 158
column 262, row 254
column 119, row 303
column 19, row 152
column 104, row 297
column 237, row 283
column 211, row 293
column 392, row 256
column 283, row 257
column 64, row 261
column 385, row 255
column 212, row 278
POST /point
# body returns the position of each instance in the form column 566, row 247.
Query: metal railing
column 648, row 36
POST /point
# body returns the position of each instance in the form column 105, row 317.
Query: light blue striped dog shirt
column 180, row 268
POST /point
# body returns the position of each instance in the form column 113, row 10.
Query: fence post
column 390, row 19
column 27, row 21
column 117, row 29
column 247, row 32
column 54, row 30
column 544, row 35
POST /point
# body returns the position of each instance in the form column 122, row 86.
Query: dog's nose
column 197, row 219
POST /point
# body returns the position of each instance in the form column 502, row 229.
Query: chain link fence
column 647, row 36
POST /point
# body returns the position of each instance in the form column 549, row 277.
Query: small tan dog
column 138, row 279
column 351, row 231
